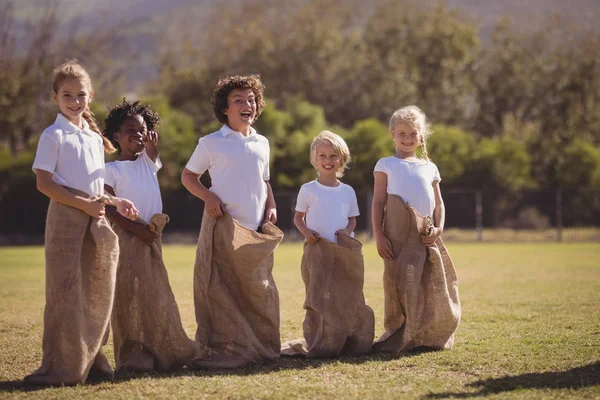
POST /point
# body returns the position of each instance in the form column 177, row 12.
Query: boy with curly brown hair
column 236, row 300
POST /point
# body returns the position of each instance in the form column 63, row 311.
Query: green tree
column 581, row 166
column 368, row 140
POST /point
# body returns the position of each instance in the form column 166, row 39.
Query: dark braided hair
column 119, row 113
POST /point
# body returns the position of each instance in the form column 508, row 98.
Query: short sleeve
column 110, row 175
column 46, row 156
column 266, row 174
column 436, row 174
column 302, row 200
column 200, row 160
column 381, row 166
column 155, row 166
column 353, row 202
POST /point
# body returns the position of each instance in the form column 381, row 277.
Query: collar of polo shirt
column 67, row 126
column 226, row 131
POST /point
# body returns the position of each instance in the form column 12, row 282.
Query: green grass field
column 530, row 329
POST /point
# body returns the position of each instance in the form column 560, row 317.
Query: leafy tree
column 368, row 140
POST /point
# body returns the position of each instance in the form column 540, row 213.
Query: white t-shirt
column 137, row 181
column 327, row 208
column 74, row 156
column 411, row 180
column 238, row 166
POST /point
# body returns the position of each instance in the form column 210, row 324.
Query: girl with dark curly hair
column 147, row 330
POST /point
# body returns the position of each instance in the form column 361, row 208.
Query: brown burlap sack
column 236, row 300
column 422, row 308
column 147, row 329
column 81, row 266
column 337, row 321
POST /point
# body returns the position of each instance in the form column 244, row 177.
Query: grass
column 530, row 329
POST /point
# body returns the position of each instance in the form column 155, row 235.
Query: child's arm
column 212, row 203
column 349, row 228
column 142, row 231
column 270, row 206
column 439, row 216
column 56, row 192
column 384, row 246
column 150, row 140
column 310, row 235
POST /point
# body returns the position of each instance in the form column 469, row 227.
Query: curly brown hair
column 226, row 85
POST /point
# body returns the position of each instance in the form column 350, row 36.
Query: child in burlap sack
column 147, row 330
column 422, row 308
column 81, row 248
column 337, row 321
column 236, row 300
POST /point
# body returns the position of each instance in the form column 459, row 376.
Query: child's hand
column 143, row 232
column 126, row 208
column 150, row 138
column 344, row 232
column 429, row 241
column 311, row 236
column 271, row 215
column 214, row 206
column 94, row 208
column 384, row 246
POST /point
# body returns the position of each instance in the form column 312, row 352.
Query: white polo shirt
column 74, row 156
column 137, row 181
column 411, row 180
column 238, row 166
column 327, row 208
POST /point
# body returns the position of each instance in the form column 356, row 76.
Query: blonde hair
column 72, row 69
column 416, row 118
column 339, row 145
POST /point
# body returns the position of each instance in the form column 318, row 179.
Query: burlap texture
column 422, row 308
column 81, row 265
column 147, row 330
column 337, row 322
column 236, row 300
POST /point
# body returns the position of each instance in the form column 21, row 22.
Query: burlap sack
column 422, row 308
column 81, row 266
column 147, row 329
column 337, row 321
column 236, row 300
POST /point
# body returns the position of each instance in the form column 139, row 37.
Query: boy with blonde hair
column 337, row 321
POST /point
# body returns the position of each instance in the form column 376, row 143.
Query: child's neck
column 77, row 121
column 127, row 156
column 328, row 180
column 403, row 155
column 244, row 129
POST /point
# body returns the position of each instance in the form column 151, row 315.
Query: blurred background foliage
column 513, row 93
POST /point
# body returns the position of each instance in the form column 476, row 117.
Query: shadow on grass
column 576, row 378
column 282, row 364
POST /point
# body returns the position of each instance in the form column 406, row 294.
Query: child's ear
column 54, row 97
column 91, row 96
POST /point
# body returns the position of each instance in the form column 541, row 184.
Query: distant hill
column 145, row 20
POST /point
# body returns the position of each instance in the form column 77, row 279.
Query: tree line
column 516, row 108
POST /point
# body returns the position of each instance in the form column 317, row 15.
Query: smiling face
column 406, row 137
column 327, row 161
column 130, row 136
column 73, row 97
column 241, row 109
